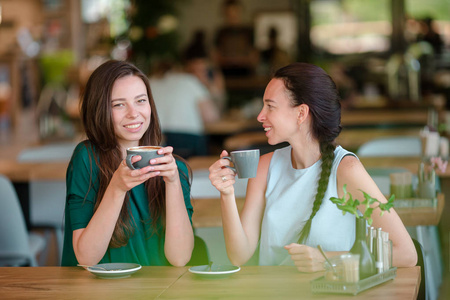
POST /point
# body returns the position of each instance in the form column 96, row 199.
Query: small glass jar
column 344, row 268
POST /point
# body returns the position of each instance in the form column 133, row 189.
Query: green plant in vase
column 349, row 205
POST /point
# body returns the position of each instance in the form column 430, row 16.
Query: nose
column 261, row 116
column 132, row 111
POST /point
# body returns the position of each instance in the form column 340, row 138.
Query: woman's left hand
column 306, row 259
column 166, row 165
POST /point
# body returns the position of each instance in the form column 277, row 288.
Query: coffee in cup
column 245, row 162
column 146, row 152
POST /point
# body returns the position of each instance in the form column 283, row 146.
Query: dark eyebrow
column 269, row 101
column 123, row 99
column 139, row 96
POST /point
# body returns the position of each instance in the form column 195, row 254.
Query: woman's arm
column 352, row 173
column 241, row 233
column 179, row 241
column 309, row 259
column 90, row 243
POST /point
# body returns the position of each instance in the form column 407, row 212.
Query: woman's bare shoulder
column 266, row 158
column 350, row 169
column 349, row 163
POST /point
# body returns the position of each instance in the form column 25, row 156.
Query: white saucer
column 216, row 271
column 114, row 270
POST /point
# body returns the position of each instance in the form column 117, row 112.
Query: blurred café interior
column 389, row 58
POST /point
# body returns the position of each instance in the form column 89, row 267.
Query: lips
column 133, row 126
column 267, row 128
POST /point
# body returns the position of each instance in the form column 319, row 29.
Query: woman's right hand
column 306, row 259
column 221, row 177
column 125, row 178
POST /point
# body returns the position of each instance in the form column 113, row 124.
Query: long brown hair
column 310, row 85
column 96, row 115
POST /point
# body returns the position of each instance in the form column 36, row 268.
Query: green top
column 143, row 247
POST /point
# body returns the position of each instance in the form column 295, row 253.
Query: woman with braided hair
column 287, row 210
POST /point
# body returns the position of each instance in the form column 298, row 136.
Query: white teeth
column 133, row 126
column 267, row 128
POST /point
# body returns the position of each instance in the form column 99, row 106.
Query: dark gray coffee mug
column 146, row 152
column 245, row 162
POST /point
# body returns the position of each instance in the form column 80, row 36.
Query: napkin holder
column 320, row 285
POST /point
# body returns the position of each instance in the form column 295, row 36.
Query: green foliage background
column 437, row 9
column 153, row 45
column 377, row 10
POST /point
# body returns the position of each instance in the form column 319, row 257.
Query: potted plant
column 349, row 205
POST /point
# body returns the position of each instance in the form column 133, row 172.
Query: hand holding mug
column 146, row 153
column 161, row 159
column 245, row 162
column 133, row 170
column 222, row 177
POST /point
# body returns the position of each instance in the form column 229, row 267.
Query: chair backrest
column 47, row 203
column 382, row 178
column 200, row 254
column 51, row 152
column 392, row 146
column 14, row 245
column 421, row 263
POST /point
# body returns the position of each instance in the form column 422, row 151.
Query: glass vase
column 366, row 259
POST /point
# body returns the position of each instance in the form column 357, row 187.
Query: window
column 112, row 10
column 351, row 26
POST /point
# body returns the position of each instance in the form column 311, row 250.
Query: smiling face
column 130, row 110
column 278, row 116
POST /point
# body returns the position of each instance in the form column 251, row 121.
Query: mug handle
column 128, row 161
column 232, row 168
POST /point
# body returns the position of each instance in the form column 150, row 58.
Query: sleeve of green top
column 82, row 187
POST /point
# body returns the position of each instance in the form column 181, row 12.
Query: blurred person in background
column 234, row 49
column 274, row 57
column 197, row 62
column 430, row 35
column 184, row 105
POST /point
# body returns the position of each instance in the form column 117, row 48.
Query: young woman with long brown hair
column 287, row 210
column 113, row 213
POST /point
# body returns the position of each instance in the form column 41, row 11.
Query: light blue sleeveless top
column 290, row 195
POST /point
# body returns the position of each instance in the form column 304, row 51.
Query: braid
column 311, row 85
column 327, row 151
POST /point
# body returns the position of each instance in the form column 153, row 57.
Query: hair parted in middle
column 96, row 115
